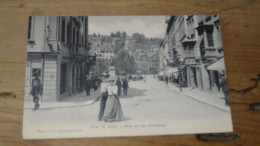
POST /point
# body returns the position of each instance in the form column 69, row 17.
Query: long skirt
column 113, row 111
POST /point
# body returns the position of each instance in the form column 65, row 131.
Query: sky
column 150, row 26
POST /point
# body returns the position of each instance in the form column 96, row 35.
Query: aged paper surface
column 106, row 76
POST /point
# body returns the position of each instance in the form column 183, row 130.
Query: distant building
column 115, row 41
column 95, row 41
column 130, row 44
column 153, row 57
column 57, row 52
column 147, row 60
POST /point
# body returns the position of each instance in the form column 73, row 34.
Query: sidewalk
column 76, row 100
column 213, row 99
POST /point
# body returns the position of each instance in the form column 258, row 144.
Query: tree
column 94, row 35
column 118, row 34
column 124, row 35
column 112, row 34
column 124, row 62
column 139, row 38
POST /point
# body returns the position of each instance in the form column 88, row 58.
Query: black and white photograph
column 118, row 76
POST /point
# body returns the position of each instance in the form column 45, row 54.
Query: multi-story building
column 165, row 56
column 130, row 43
column 208, row 49
column 107, row 52
column 195, row 42
column 147, row 60
column 153, row 57
column 57, row 53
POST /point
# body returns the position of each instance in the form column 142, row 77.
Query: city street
column 78, row 60
column 146, row 102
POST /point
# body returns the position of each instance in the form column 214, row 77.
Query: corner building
column 57, row 52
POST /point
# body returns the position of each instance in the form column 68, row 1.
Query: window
column 68, row 34
column 63, row 81
column 210, row 39
column 77, row 37
column 73, row 36
column 82, row 41
column 63, row 30
column 202, row 51
column 30, row 27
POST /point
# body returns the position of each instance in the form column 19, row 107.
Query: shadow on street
column 82, row 97
column 133, row 92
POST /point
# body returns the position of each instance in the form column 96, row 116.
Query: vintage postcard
column 114, row 76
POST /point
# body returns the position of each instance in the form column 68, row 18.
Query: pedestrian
column 125, row 86
column 95, row 82
column 113, row 111
column 36, row 91
column 87, row 85
column 166, row 80
column 119, row 85
column 103, row 100
column 224, row 86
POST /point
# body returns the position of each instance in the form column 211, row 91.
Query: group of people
column 91, row 83
column 120, row 84
column 110, row 106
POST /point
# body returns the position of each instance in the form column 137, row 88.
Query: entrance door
column 63, row 78
column 195, row 77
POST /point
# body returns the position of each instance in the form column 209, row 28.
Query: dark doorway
column 63, row 78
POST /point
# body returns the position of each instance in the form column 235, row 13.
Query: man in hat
column 119, row 84
column 224, row 86
column 36, row 91
column 95, row 83
column 125, row 86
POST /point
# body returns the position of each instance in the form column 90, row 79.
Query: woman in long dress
column 113, row 111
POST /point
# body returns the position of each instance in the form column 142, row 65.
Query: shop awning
column 171, row 70
column 161, row 73
column 218, row 65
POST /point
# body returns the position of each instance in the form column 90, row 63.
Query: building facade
column 195, row 42
column 57, row 53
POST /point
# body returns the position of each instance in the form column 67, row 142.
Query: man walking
column 166, row 80
column 224, row 86
column 36, row 91
column 95, row 83
column 103, row 100
column 119, row 84
column 125, row 86
column 87, row 86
